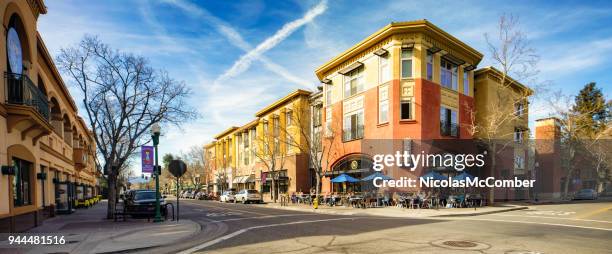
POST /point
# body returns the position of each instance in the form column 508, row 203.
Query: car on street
column 248, row 196
column 586, row 194
column 142, row 202
column 227, row 196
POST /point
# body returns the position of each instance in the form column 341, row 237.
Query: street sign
column 177, row 168
column 146, row 154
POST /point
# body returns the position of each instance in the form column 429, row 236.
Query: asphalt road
column 583, row 227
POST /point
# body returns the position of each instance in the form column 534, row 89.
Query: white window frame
column 328, row 95
column 402, row 59
column 429, row 65
column 409, row 101
column 384, row 69
column 383, row 103
column 466, row 82
column 356, row 75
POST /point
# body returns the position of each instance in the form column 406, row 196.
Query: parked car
column 192, row 194
column 227, row 196
column 186, row 194
column 248, row 196
column 586, row 194
column 142, row 202
column 202, row 195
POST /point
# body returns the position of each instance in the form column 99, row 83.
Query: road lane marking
column 540, row 223
column 218, row 207
column 547, row 217
column 552, row 213
column 234, row 234
column 269, row 216
column 598, row 211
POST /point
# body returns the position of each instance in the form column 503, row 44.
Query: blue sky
column 238, row 56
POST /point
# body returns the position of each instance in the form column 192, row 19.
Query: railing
column 449, row 129
column 352, row 134
column 21, row 90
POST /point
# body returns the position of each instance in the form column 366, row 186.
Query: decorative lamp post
column 155, row 132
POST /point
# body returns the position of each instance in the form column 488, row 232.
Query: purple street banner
column 146, row 154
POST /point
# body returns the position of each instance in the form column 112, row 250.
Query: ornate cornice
column 38, row 7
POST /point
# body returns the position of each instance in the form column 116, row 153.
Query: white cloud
column 246, row 60
column 237, row 40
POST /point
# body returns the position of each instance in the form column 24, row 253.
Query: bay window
column 429, row 65
column 449, row 124
column 353, row 125
column 354, row 82
column 406, row 109
column 383, row 104
column 406, row 63
column 328, row 95
column 466, row 82
column 385, row 71
column 448, row 74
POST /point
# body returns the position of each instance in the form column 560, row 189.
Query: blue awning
column 377, row 174
column 433, row 175
column 344, row 178
column 463, row 176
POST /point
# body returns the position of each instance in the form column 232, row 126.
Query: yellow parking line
column 598, row 211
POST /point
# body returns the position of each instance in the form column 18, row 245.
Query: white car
column 227, row 196
column 248, row 196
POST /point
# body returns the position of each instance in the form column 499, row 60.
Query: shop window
column 22, row 183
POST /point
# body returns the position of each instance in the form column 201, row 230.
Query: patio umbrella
column 377, row 174
column 463, row 176
column 433, row 175
column 343, row 178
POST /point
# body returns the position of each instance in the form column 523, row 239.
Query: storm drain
column 460, row 244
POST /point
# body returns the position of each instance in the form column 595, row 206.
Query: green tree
column 591, row 104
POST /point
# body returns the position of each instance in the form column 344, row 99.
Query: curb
column 484, row 213
column 432, row 216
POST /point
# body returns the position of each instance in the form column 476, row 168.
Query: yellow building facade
column 47, row 152
column 243, row 154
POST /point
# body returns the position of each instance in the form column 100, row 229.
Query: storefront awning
column 237, row 179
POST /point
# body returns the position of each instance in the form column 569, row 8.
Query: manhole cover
column 460, row 244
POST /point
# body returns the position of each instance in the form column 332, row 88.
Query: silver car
column 586, row 194
column 227, row 196
column 248, row 196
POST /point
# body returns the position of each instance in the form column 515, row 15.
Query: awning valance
column 351, row 67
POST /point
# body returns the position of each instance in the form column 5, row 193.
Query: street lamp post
column 155, row 132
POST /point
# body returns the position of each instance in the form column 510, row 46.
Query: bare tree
column 512, row 54
column 310, row 140
column 123, row 97
column 575, row 140
column 271, row 155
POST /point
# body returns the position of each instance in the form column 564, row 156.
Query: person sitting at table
column 293, row 198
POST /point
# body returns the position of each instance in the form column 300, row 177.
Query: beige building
column 242, row 154
column 46, row 151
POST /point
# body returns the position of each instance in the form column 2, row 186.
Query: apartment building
column 46, row 151
column 502, row 118
column 407, row 81
column 252, row 155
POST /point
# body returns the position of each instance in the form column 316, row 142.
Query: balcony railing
column 20, row 90
column 449, row 129
column 353, row 133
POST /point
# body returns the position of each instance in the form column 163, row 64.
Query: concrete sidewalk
column 393, row 211
column 88, row 231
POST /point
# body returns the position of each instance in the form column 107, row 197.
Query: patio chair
column 386, row 201
column 414, row 202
